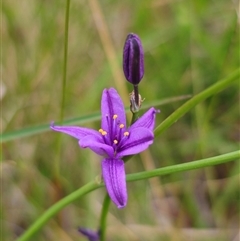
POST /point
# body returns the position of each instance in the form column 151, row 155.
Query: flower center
column 116, row 132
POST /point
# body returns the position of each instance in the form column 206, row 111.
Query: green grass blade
column 33, row 130
column 212, row 90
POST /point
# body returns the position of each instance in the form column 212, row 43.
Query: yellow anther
column 115, row 142
column 126, row 133
column 115, row 117
column 121, row 126
column 104, row 133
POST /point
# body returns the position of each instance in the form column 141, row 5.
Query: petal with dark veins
column 115, row 180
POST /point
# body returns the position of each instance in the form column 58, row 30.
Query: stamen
column 115, row 117
column 104, row 133
column 115, row 142
column 126, row 133
column 121, row 126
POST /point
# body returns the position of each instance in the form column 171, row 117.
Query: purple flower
column 114, row 141
column 91, row 235
column 133, row 61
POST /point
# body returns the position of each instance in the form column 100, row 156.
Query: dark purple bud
column 133, row 59
column 91, row 235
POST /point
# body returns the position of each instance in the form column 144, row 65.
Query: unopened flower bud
column 133, row 59
column 91, row 235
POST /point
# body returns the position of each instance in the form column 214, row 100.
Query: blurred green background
column 188, row 45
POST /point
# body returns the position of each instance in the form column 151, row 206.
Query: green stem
column 65, row 60
column 103, row 218
column 134, row 117
column 39, row 223
column 64, row 78
column 220, row 85
column 207, row 162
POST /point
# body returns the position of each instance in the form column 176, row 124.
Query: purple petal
column 147, row 120
column 96, row 144
column 114, row 177
column 137, row 141
column 74, row 131
column 111, row 105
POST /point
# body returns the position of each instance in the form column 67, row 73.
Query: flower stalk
column 103, row 218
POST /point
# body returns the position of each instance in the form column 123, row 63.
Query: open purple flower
column 114, row 141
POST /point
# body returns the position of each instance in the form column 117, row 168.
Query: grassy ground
column 188, row 45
